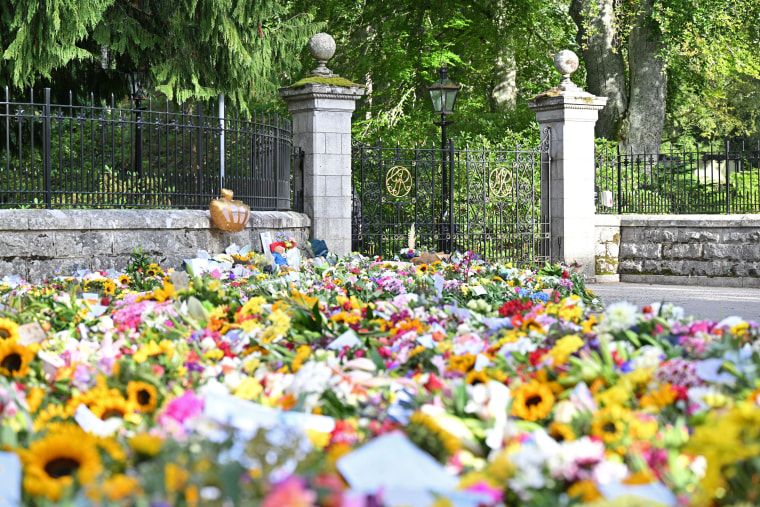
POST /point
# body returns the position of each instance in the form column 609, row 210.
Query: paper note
column 391, row 461
column 10, row 480
column 247, row 415
column 31, row 333
column 347, row 339
column 478, row 290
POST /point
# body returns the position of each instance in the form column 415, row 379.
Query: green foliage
column 395, row 48
column 188, row 48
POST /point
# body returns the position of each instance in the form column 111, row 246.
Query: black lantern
column 443, row 94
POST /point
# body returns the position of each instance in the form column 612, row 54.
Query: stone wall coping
column 689, row 220
column 607, row 220
column 118, row 219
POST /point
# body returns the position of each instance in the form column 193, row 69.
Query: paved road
column 713, row 303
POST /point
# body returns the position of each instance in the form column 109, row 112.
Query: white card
column 348, row 338
column 391, row 461
column 10, row 479
column 478, row 290
column 249, row 416
column 266, row 240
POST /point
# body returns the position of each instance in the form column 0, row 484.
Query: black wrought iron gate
column 485, row 200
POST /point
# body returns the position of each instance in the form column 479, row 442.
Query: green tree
column 670, row 62
column 188, row 48
column 493, row 48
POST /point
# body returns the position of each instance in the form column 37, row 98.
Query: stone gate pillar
column 321, row 106
column 568, row 187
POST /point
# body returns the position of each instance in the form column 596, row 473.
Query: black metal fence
column 142, row 154
column 719, row 178
column 487, row 200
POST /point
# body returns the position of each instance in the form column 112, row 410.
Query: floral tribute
column 157, row 388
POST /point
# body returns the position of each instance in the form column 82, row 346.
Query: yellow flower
column 34, row 398
column 15, row 358
column 8, row 329
column 249, row 389
column 564, row 347
column 280, row 326
column 146, row 444
column 52, row 463
column 164, row 293
column 124, row 280
column 142, row 395
column 120, row 487
column 584, row 490
column 175, row 478
column 532, row 401
column 658, row 398
column 115, row 406
column 252, row 306
column 302, row 354
column 561, row 432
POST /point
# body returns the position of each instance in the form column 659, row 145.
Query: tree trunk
column 641, row 130
column 605, row 69
column 504, row 94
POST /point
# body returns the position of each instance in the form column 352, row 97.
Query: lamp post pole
column 443, row 94
column 444, row 242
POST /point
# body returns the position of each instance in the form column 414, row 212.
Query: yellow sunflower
column 8, row 329
column 142, row 395
column 109, row 287
column 422, row 269
column 52, row 463
column 15, row 358
column 532, row 401
column 561, row 432
column 124, row 280
column 115, row 406
column 613, row 424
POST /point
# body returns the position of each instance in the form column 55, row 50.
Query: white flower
column 620, row 316
column 232, row 380
column 566, row 463
column 208, row 344
column 523, row 345
column 610, row 471
column 564, row 411
column 668, row 311
column 648, row 356
column 312, row 377
column 699, row 466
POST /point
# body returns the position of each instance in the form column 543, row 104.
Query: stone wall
column 718, row 250
column 34, row 244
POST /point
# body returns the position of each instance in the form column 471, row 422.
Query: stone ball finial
column 566, row 62
column 322, row 48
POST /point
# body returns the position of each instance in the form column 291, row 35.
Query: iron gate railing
column 719, row 178
column 484, row 200
column 142, row 154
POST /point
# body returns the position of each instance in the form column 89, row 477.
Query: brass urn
column 229, row 215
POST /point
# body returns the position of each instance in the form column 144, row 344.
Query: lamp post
column 137, row 82
column 443, row 94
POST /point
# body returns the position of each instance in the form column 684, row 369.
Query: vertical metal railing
column 109, row 154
